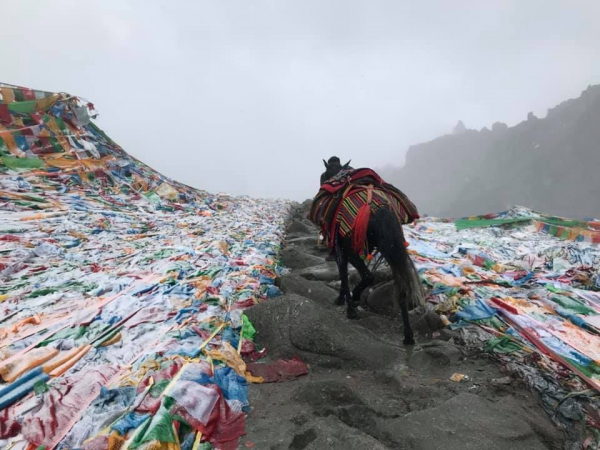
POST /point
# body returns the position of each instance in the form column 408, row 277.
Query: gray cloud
column 248, row 97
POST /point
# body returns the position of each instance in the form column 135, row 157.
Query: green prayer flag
column 13, row 162
column 19, row 96
column 61, row 124
column 40, row 387
column 248, row 330
column 463, row 224
column 26, row 107
column 56, row 145
column 571, row 304
column 41, row 292
column 158, row 429
column 3, row 147
column 66, row 333
column 502, row 345
column 158, row 388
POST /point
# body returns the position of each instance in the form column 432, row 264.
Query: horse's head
column 332, row 168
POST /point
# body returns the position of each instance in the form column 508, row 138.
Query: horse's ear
column 347, row 164
column 326, row 166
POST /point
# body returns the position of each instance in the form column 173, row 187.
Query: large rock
column 332, row 434
column 325, row 395
column 465, row 422
column 426, row 323
column 435, row 355
column 310, row 433
column 382, row 275
column 324, row 272
column 305, row 206
column 302, row 228
column 305, row 242
column 314, row 290
column 295, row 258
column 292, row 324
column 379, row 299
column 381, row 325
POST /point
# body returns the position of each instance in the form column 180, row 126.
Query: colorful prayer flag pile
column 526, row 294
column 121, row 291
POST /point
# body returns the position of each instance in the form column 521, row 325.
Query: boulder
column 292, row 324
column 435, row 355
column 295, row 258
column 379, row 299
column 301, row 228
column 326, row 272
column 426, row 323
column 466, row 422
column 314, row 290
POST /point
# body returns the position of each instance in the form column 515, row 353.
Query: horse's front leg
column 366, row 277
column 345, row 295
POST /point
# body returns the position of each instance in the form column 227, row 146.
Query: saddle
column 338, row 201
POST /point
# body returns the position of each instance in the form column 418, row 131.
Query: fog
column 249, row 97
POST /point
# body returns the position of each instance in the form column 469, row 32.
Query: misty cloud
column 248, row 97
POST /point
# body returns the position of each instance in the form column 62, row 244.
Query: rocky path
column 365, row 390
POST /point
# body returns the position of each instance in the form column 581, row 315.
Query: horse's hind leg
column 401, row 307
column 366, row 277
column 389, row 239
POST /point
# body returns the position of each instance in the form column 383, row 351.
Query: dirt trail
column 365, row 390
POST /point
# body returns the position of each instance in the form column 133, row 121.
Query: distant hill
column 550, row 164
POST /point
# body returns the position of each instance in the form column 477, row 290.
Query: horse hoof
column 352, row 315
column 339, row 301
column 408, row 341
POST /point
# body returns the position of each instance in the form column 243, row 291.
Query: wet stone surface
column 365, row 390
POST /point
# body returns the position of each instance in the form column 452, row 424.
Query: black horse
column 332, row 168
column 384, row 233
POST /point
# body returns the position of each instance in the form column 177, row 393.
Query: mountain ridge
column 547, row 164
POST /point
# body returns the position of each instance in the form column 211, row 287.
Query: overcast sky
column 248, row 96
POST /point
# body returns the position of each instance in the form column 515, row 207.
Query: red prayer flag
column 5, row 116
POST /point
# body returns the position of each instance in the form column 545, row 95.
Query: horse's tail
column 387, row 233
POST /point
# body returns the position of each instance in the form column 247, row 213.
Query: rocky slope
column 365, row 390
column 546, row 164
